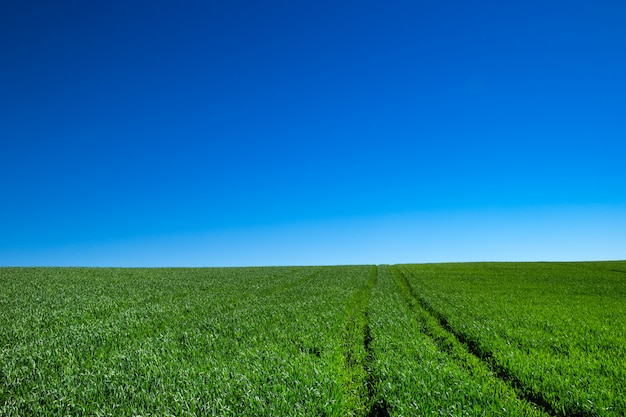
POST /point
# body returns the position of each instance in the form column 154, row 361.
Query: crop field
column 477, row 339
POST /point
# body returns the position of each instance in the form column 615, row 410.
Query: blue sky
column 272, row 133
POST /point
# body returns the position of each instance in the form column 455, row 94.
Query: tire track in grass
column 359, row 383
column 464, row 351
column 377, row 406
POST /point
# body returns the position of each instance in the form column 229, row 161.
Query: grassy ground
column 556, row 331
column 443, row 339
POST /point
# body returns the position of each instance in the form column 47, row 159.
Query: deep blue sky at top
column 125, row 119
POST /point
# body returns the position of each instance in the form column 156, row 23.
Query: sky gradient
column 275, row 133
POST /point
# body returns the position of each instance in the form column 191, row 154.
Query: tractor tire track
column 465, row 351
column 360, row 382
column 377, row 407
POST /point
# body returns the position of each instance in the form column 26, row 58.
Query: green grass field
column 518, row 339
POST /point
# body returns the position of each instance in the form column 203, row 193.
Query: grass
column 557, row 331
column 518, row 339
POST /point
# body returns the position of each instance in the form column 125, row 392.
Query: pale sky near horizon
column 304, row 133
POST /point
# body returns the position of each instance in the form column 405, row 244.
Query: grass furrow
column 557, row 331
column 420, row 369
column 357, row 355
column 465, row 352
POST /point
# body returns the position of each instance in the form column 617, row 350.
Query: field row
column 404, row 340
column 555, row 331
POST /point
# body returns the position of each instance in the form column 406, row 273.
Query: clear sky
column 236, row 133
